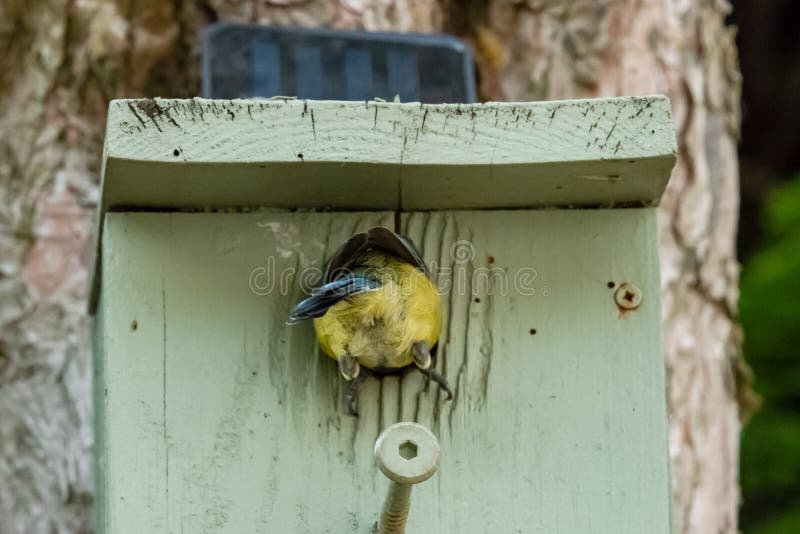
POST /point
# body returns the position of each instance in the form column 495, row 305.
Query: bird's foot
column 431, row 374
column 421, row 353
column 351, row 397
column 348, row 366
column 351, row 393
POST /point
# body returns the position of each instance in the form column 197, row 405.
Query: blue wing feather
column 325, row 296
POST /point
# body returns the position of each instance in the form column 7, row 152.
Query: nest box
column 538, row 221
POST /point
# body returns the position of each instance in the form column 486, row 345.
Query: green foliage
column 769, row 305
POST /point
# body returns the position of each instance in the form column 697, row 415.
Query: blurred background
column 61, row 61
column 769, row 249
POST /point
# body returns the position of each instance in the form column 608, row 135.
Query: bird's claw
column 351, row 402
column 440, row 381
column 351, row 396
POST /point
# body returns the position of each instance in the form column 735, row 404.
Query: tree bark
column 64, row 60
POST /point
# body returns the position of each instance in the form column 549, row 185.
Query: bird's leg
column 422, row 358
column 421, row 353
column 348, row 366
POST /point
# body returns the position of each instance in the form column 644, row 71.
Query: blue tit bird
column 377, row 308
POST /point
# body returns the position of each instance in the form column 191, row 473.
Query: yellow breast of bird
column 378, row 327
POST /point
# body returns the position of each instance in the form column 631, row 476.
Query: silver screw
column 407, row 453
column 628, row 296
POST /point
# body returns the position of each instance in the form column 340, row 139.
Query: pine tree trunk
column 63, row 60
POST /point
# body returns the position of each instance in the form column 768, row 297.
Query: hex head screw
column 407, row 453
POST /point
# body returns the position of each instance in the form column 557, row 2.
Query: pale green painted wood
column 129, row 385
column 99, row 415
column 212, row 154
column 373, row 155
column 216, row 417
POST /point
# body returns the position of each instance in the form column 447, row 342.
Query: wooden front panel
column 216, row 417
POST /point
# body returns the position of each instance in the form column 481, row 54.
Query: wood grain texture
column 372, row 155
column 587, row 48
column 196, row 154
column 217, row 417
column 66, row 60
column 276, row 130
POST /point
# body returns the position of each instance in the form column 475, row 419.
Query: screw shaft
column 395, row 509
column 407, row 453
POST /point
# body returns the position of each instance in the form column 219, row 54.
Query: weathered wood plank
column 219, row 418
column 559, row 419
column 130, row 384
column 240, row 402
column 197, row 153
